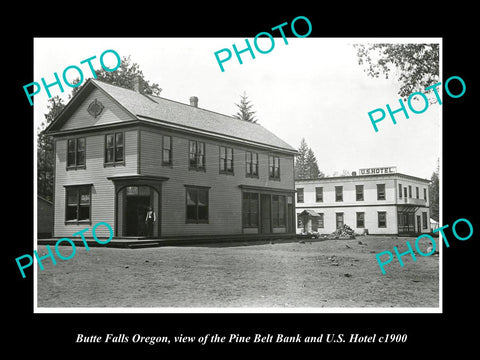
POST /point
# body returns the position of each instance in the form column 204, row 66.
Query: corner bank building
column 378, row 201
column 120, row 151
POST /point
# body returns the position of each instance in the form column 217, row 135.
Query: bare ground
column 329, row 273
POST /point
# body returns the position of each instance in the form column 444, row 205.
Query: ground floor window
column 320, row 221
column 425, row 220
column 78, row 203
column 339, row 219
column 278, row 210
column 250, row 209
column 360, row 219
column 196, row 204
column 382, row 219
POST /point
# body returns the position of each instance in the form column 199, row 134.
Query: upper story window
column 196, row 157
column 167, row 150
column 114, row 149
column 400, row 191
column 338, row 193
column 76, row 150
column 251, row 161
column 425, row 194
column 274, row 167
column 380, row 191
column 409, row 191
column 359, row 192
column 417, row 192
column 226, row 160
column 319, row 194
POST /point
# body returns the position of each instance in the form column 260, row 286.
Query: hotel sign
column 378, row 171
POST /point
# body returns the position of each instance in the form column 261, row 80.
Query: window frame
column 302, row 192
column 339, row 193
column 399, row 191
column 380, row 192
column 75, row 164
column 78, row 189
column 321, row 221
column 357, row 193
column 274, row 163
column 224, row 160
column 169, row 149
column 246, row 210
column 337, row 215
column 250, row 164
column 197, row 155
column 197, row 189
column 115, row 147
column 425, row 194
column 319, row 194
column 278, row 221
column 362, row 225
column 384, row 213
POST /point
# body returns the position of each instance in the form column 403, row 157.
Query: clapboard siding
column 225, row 204
column 102, row 195
column 144, row 120
column 111, row 113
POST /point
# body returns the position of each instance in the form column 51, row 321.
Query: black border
column 427, row 333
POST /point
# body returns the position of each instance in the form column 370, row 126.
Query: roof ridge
column 149, row 96
column 164, row 109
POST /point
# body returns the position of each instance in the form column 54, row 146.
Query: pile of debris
column 344, row 232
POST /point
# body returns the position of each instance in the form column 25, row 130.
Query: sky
column 310, row 88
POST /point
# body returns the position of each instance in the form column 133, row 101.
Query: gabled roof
column 157, row 110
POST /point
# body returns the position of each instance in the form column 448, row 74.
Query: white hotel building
column 377, row 201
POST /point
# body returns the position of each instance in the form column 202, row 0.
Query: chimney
column 194, row 101
column 138, row 84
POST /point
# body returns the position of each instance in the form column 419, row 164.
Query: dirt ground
column 314, row 274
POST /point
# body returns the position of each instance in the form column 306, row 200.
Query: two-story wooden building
column 120, row 151
column 377, row 201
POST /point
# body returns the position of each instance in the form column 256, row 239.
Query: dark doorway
column 419, row 224
column 265, row 214
column 406, row 224
column 136, row 210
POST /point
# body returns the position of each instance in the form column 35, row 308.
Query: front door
column 136, row 211
column 265, row 214
column 419, row 223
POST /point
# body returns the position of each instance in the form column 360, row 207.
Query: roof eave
column 74, row 102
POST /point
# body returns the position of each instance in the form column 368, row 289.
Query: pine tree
column 245, row 111
column 306, row 166
column 311, row 165
column 124, row 76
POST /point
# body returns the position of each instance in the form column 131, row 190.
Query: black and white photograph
column 255, row 188
column 238, row 182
